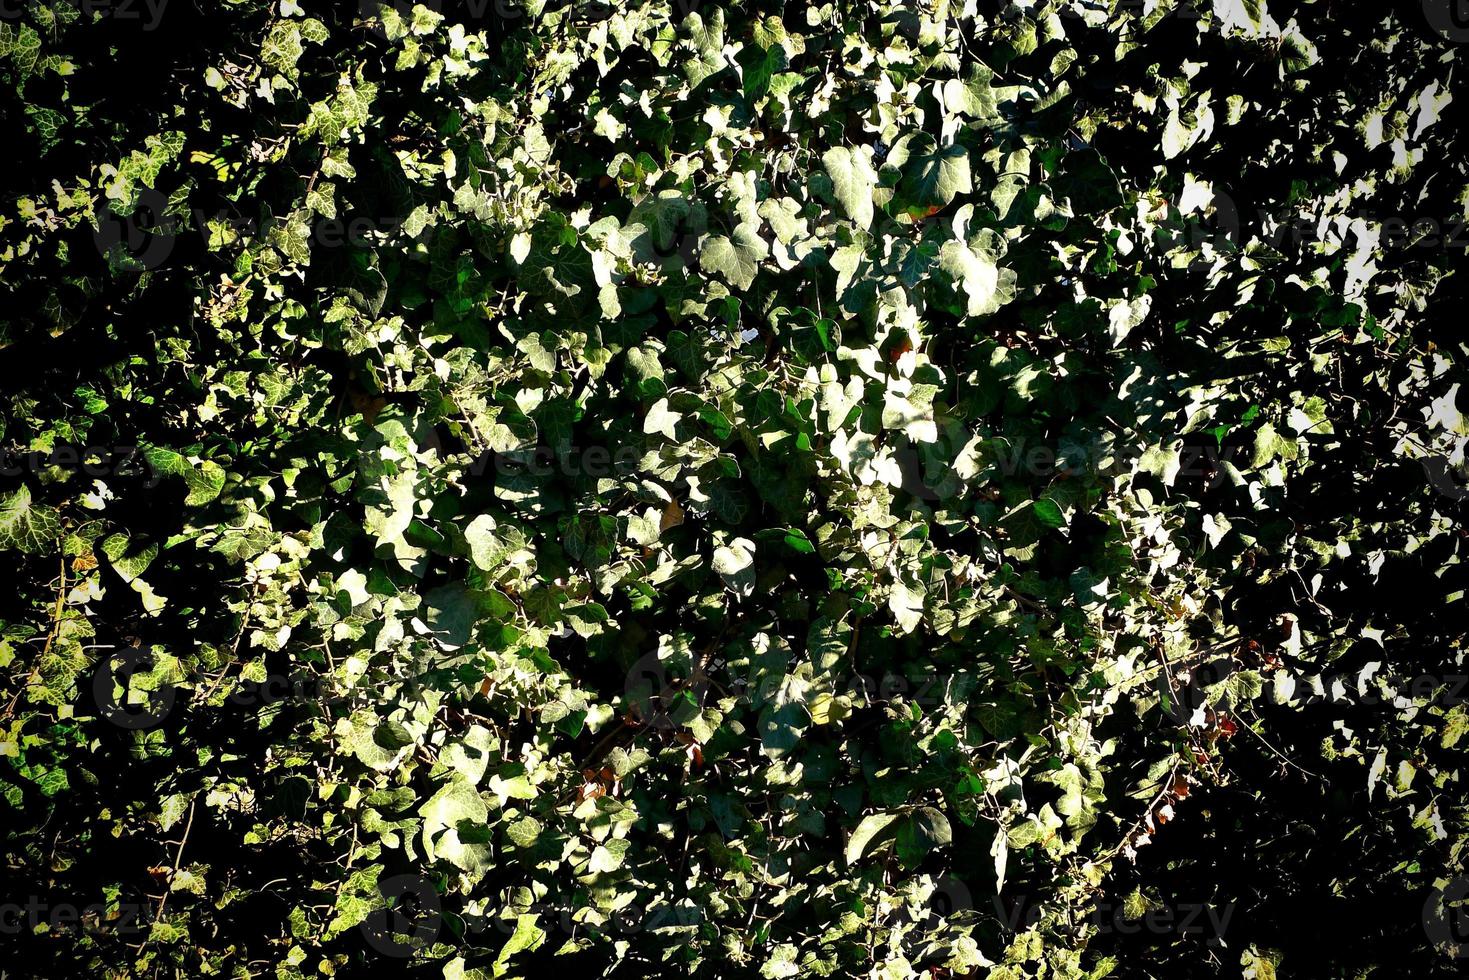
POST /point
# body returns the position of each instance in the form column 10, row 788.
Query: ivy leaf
column 974, row 272
column 527, row 936
column 450, row 821
column 737, row 259
column 781, row 726
column 735, row 557
column 972, row 97
column 607, row 857
column 1048, row 513
column 204, row 482
column 453, row 611
column 516, row 787
column 1271, row 445
column 920, row 832
column 485, row 550
column 1029, row 522
column 734, row 562
column 128, row 566
column 932, row 175
column 661, row 419
column 26, row 526
column 782, row 963
column 524, row 832
column 853, row 181
column 906, row 602
column 871, row 831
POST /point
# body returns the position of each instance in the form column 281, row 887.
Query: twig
column 1281, row 755
column 51, row 635
column 177, row 860
column 1026, row 600
column 1147, row 814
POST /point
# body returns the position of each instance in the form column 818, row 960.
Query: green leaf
column 453, row 612
column 871, row 831
column 450, row 821
column 735, row 563
column 607, row 857
column 27, row 527
column 735, row 557
column 932, row 175
column 660, row 419
column 920, row 832
column 524, row 832
column 853, row 181
column 737, row 259
column 514, row 788
column 204, row 482
column 485, row 549
column 527, row 936
column 1271, row 445
column 976, row 274
column 1048, row 513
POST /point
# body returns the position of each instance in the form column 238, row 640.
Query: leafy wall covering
column 860, row 489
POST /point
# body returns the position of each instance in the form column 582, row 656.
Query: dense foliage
column 858, row 489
